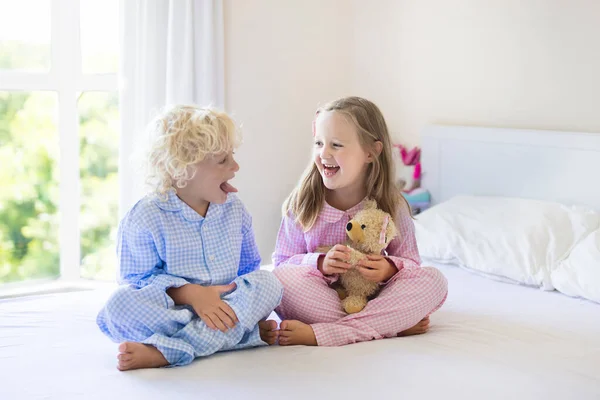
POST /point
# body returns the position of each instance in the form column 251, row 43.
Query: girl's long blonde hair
column 306, row 200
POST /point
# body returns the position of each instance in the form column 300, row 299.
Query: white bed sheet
column 491, row 340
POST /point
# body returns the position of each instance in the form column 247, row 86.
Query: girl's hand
column 335, row 261
column 377, row 268
column 216, row 314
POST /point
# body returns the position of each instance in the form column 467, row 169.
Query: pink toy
column 410, row 173
column 409, row 157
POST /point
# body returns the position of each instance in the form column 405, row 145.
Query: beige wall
column 283, row 58
column 509, row 63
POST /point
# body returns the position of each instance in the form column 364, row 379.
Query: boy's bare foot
column 418, row 329
column 137, row 355
column 268, row 331
column 295, row 332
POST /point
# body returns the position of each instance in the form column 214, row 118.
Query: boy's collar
column 174, row 204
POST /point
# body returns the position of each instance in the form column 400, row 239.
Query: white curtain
column 171, row 51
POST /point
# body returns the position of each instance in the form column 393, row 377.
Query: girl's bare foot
column 418, row 329
column 268, row 331
column 137, row 355
column 296, row 332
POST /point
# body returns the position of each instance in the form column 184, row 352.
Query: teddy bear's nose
column 349, row 226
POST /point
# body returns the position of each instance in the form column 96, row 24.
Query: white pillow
column 518, row 239
column 579, row 274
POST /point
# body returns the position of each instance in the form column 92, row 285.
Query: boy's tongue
column 227, row 188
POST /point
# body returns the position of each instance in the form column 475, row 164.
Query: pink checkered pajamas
column 413, row 293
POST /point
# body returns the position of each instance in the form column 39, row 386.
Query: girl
column 352, row 162
column 187, row 253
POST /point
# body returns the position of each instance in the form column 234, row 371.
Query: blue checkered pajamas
column 164, row 244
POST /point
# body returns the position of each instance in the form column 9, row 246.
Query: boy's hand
column 377, row 268
column 335, row 261
column 215, row 313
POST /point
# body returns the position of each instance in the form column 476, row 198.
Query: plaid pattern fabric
column 409, row 296
column 168, row 244
column 163, row 244
column 297, row 247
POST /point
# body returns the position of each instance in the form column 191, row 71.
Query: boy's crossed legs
column 133, row 355
column 154, row 332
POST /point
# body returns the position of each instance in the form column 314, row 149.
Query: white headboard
column 544, row 165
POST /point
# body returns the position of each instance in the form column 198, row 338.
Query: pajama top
column 294, row 246
column 168, row 244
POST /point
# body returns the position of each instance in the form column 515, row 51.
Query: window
column 59, row 119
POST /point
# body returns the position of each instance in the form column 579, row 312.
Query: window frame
column 65, row 77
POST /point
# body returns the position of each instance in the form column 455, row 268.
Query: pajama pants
column 148, row 315
column 410, row 295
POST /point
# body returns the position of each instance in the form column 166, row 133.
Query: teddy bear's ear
column 370, row 205
column 391, row 231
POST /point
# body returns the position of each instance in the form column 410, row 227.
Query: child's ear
column 378, row 148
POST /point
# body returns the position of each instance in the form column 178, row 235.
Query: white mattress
column 491, row 340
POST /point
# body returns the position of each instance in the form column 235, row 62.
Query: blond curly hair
column 181, row 136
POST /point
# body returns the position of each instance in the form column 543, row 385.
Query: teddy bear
column 369, row 233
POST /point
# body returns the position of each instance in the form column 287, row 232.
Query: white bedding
column 521, row 240
column 491, row 340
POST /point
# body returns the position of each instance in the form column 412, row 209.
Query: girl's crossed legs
column 311, row 311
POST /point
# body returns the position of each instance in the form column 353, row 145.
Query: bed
column 493, row 339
